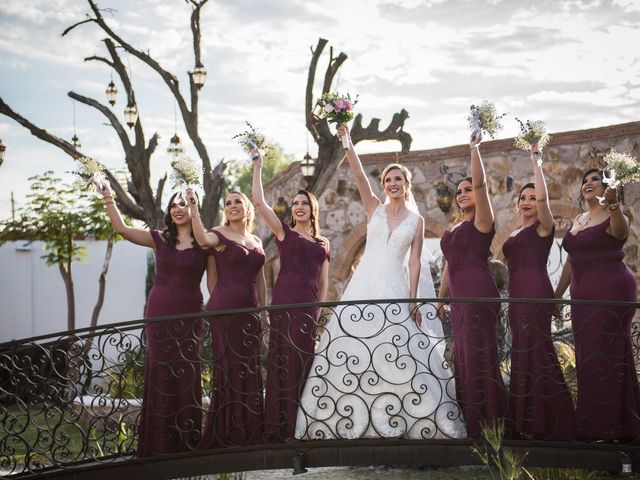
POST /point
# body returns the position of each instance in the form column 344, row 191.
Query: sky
column 574, row 64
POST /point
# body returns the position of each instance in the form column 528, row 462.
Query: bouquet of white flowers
column 485, row 117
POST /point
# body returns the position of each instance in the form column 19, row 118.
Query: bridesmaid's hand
column 536, row 154
column 611, row 196
column 256, row 157
column 443, row 311
column 342, row 131
column 105, row 190
column 476, row 138
column 264, row 322
column 191, row 196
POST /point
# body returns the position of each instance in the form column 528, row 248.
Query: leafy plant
column 504, row 462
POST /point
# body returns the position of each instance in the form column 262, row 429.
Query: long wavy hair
column 313, row 218
column 170, row 232
column 405, row 173
column 250, row 215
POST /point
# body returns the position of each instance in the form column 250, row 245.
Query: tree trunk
column 102, row 283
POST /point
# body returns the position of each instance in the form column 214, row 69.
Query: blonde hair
column 250, row 215
column 396, row 166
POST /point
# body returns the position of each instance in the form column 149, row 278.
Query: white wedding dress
column 375, row 373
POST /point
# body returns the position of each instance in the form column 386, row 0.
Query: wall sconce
column 445, row 196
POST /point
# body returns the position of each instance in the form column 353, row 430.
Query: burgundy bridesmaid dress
column 608, row 405
column 540, row 403
column 291, row 337
column 235, row 415
column 171, row 415
column 479, row 387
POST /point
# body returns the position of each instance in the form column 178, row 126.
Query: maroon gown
column 479, row 387
column 171, row 415
column 540, row 402
column 235, row 415
column 291, row 338
column 608, row 405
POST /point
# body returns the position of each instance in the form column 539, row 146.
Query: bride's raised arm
column 369, row 199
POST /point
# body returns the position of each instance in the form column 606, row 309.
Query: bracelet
column 613, row 206
column 471, row 147
column 107, row 196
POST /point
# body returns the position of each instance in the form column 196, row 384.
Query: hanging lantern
column 308, row 168
column 199, row 75
column 75, row 141
column 112, row 93
column 3, row 148
column 131, row 114
column 175, row 149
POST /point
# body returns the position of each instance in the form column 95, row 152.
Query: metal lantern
column 3, row 148
column 308, row 168
column 112, row 93
column 199, row 76
column 131, row 114
column 175, row 149
column 75, row 141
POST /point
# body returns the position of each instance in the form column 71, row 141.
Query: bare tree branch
column 330, row 151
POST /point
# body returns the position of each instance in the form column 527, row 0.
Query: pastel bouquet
column 184, row 174
column 532, row 133
column 620, row 169
column 251, row 140
column 337, row 109
column 93, row 173
column 485, row 117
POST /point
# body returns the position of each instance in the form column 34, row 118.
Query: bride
column 379, row 369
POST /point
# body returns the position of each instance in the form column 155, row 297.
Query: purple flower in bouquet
column 335, row 107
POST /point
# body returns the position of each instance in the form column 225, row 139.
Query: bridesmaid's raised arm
column 204, row 238
column 483, row 210
column 257, row 194
column 619, row 223
column 545, row 217
column 138, row 236
column 369, row 200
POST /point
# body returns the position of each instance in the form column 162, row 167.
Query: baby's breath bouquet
column 184, row 174
column 532, row 133
column 252, row 139
column 337, row 109
column 621, row 169
column 485, row 117
column 92, row 172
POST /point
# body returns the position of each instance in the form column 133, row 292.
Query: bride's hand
column 415, row 313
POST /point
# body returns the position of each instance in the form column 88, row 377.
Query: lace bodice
column 178, row 268
column 386, row 249
column 527, row 249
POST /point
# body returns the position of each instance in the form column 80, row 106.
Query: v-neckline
column 386, row 220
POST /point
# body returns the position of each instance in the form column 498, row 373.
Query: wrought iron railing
column 361, row 370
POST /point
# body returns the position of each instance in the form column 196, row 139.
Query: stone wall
column 343, row 219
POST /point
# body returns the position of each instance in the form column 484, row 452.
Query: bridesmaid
column 303, row 278
column 235, row 414
column 171, row 416
column 608, row 406
column 540, row 403
column 466, row 248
